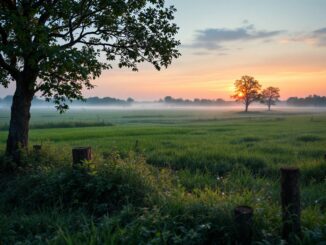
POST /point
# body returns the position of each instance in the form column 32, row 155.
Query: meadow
column 169, row 176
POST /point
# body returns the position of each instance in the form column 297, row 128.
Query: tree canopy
column 61, row 45
column 270, row 96
column 55, row 48
column 247, row 90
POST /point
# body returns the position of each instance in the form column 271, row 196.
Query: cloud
column 216, row 38
column 321, row 31
column 313, row 38
column 320, row 36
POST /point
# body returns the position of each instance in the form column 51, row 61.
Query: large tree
column 247, row 91
column 57, row 47
column 270, row 96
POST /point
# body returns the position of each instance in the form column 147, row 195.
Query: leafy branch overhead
column 59, row 46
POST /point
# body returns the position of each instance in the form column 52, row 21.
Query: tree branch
column 11, row 69
column 4, row 36
column 76, row 25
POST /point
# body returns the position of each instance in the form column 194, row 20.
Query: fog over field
column 163, row 106
column 234, row 108
column 152, row 113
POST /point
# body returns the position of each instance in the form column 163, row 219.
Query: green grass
column 166, row 176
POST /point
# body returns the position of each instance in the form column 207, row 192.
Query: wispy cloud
column 314, row 38
column 320, row 35
column 216, row 38
column 321, row 31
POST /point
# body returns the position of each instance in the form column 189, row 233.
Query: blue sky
column 291, row 15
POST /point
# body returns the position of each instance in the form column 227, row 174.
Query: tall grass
column 164, row 184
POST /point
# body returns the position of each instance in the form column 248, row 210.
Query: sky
column 281, row 43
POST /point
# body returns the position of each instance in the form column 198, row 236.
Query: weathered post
column 290, row 195
column 81, row 154
column 243, row 218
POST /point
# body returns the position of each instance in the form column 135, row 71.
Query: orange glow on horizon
column 212, row 77
column 151, row 85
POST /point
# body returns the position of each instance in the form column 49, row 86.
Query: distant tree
column 312, row 100
column 168, row 99
column 56, row 48
column 130, row 100
column 247, row 91
column 197, row 102
column 104, row 101
column 270, row 96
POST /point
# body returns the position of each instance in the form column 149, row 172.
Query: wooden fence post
column 290, row 195
column 243, row 218
column 81, row 154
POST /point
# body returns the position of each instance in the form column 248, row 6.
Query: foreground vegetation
column 165, row 177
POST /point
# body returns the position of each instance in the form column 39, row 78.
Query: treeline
column 104, row 101
column 7, row 101
column 312, row 100
column 204, row 102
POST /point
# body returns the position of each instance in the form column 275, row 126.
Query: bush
column 99, row 188
column 123, row 200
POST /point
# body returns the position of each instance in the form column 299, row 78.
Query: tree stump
column 243, row 218
column 81, row 154
column 290, row 195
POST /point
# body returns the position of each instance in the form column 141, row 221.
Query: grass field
column 178, row 174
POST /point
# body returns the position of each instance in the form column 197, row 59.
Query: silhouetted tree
column 312, row 100
column 130, row 100
column 247, row 91
column 168, row 99
column 104, row 101
column 270, row 96
column 201, row 102
column 56, row 48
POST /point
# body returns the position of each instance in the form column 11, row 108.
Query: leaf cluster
column 247, row 90
column 58, row 47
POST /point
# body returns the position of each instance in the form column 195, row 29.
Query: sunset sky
column 280, row 43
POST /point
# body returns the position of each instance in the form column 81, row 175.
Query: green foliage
column 98, row 189
column 58, row 46
column 309, row 138
column 157, row 183
column 63, row 125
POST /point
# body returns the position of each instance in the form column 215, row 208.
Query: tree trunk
column 247, row 106
column 19, row 121
column 269, row 104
